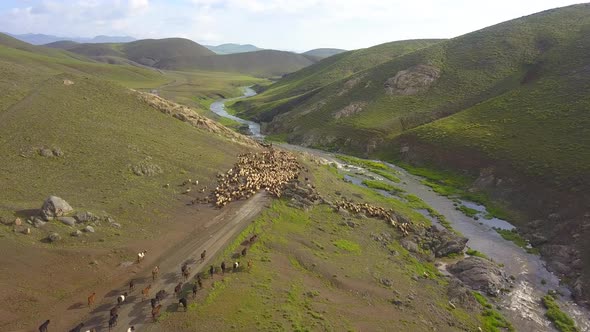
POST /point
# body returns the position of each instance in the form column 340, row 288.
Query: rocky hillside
column 507, row 102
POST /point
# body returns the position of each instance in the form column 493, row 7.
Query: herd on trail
column 272, row 170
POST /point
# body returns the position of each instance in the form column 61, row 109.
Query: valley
column 164, row 184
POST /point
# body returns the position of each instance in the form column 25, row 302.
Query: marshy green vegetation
column 560, row 319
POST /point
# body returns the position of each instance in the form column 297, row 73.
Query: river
column 522, row 305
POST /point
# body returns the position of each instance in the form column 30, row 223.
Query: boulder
column 70, row 221
column 37, row 222
column 443, row 242
column 54, row 237
column 89, row 229
column 115, row 225
column 480, row 274
column 45, row 152
column 410, row 245
column 55, row 207
column 83, row 217
column 76, row 233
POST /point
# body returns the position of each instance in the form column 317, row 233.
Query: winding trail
column 213, row 236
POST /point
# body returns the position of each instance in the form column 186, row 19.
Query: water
column 218, row 107
column 522, row 305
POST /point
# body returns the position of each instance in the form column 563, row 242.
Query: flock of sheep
column 374, row 212
column 270, row 170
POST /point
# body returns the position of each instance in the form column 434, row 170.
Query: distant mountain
column 180, row 54
column 323, row 52
column 42, row 39
column 233, row 48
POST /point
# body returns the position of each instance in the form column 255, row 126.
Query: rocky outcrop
column 186, row 114
column 55, row 207
column 412, row 80
column 350, row 109
column 481, row 274
column 443, row 242
column 300, row 196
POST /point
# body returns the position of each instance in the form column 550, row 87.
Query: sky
column 296, row 25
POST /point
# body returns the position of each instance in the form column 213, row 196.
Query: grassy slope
column 184, row 54
column 265, row 63
column 515, row 96
column 102, row 129
column 324, row 52
column 298, row 84
column 312, row 273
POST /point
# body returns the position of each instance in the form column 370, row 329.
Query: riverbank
column 532, row 280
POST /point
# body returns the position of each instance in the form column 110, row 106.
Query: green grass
column 493, row 321
column 369, row 164
column 376, row 184
column 297, row 281
column 386, row 174
column 473, row 252
column 347, row 245
column 560, row 319
column 468, row 211
column 513, row 236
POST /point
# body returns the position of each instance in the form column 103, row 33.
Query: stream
column 522, row 306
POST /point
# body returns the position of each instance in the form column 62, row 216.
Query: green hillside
column 324, row 52
column 506, row 106
column 233, row 48
column 266, row 63
column 186, row 55
column 505, row 83
column 91, row 116
column 303, row 84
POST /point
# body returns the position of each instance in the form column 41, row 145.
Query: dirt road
column 213, row 237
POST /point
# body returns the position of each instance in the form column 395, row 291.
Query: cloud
column 283, row 24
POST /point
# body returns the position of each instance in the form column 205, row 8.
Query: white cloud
column 284, row 24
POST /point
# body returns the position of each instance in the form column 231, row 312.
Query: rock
column 386, row 282
column 44, row 152
column 480, row 274
column 409, row 245
column 57, row 152
column 70, row 221
column 83, row 217
column 553, row 217
column 537, row 239
column 37, row 222
column 350, row 109
column 18, row 222
column 76, row 233
column 54, row 237
column 459, row 294
column 89, row 229
column 443, row 242
column 397, row 302
column 55, row 207
column 352, row 224
column 116, row 225
column 411, row 81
